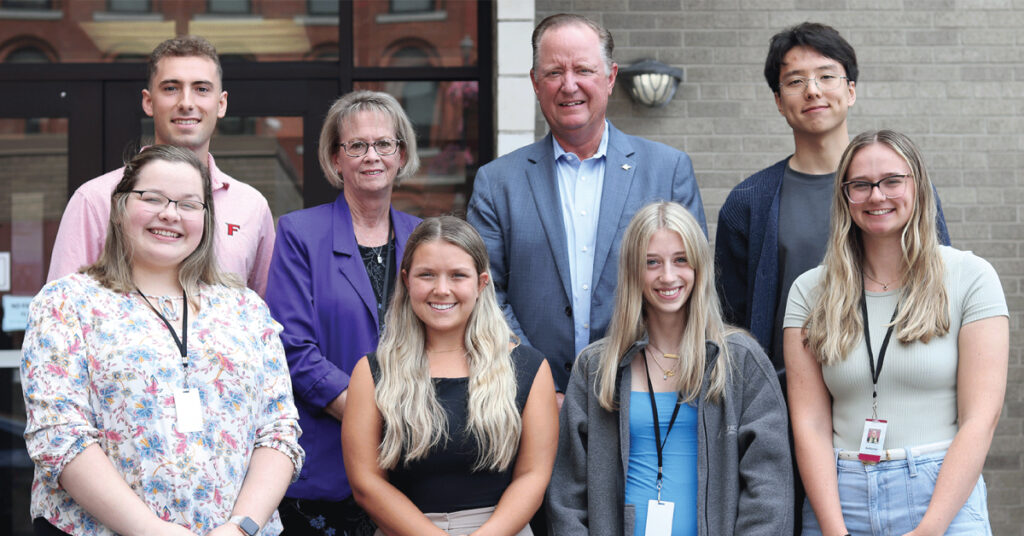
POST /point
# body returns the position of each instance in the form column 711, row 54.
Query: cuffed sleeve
column 55, row 383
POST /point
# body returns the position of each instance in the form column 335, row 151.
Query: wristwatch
column 246, row 524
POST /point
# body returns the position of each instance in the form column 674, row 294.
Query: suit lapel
column 620, row 167
column 543, row 182
column 347, row 258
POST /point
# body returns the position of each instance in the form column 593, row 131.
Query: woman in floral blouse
column 157, row 392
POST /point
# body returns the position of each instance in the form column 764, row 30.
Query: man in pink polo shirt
column 185, row 98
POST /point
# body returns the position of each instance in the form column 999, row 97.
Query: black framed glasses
column 384, row 147
column 156, row 202
column 798, row 84
column 891, row 187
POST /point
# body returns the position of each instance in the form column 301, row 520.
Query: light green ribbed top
column 917, row 386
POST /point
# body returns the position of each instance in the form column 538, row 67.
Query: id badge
column 659, row 518
column 872, row 441
column 189, row 410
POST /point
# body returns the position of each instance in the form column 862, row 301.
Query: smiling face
column 371, row 172
column 185, row 100
column 162, row 237
column 814, row 111
column 880, row 216
column 668, row 277
column 443, row 287
column 572, row 82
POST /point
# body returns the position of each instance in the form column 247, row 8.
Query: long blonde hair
column 703, row 312
column 113, row 269
column 834, row 325
column 414, row 421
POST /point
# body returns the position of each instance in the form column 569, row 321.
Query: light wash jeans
column 891, row 497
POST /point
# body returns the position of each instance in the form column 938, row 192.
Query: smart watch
column 248, row 526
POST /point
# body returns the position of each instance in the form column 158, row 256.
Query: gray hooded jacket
column 744, row 473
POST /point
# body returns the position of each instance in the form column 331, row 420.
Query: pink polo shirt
column 245, row 228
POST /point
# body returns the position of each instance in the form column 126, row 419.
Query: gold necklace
column 885, row 286
column 665, row 374
column 429, row 351
column 663, row 354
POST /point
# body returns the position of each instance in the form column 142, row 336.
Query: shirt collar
column 602, row 149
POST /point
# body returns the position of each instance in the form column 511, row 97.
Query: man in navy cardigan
column 774, row 225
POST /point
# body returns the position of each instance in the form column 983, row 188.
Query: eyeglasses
column 384, row 147
column 798, row 84
column 891, row 187
column 156, row 202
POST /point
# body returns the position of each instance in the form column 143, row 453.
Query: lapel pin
column 626, row 167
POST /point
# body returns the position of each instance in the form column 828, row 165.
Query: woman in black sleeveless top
column 449, row 428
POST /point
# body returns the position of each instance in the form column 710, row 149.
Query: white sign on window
column 16, row 312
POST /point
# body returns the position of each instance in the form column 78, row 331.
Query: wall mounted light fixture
column 651, row 82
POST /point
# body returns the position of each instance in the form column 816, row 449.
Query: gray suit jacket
column 516, row 208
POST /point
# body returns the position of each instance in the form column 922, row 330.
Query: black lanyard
column 181, row 343
column 658, row 443
column 875, row 371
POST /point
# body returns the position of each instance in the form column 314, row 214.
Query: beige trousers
column 464, row 522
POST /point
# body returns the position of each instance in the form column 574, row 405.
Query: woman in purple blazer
column 331, row 278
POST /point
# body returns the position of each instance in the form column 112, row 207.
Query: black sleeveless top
column 443, row 481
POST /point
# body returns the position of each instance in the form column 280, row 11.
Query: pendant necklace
column 665, row 374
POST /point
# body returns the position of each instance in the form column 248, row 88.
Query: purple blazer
column 319, row 291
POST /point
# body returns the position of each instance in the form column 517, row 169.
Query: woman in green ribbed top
column 892, row 423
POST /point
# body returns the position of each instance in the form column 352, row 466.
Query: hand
column 337, row 406
column 167, row 528
column 227, row 529
column 559, row 397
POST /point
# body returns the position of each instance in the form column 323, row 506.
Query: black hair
column 824, row 39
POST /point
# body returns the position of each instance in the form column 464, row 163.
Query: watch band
column 246, row 524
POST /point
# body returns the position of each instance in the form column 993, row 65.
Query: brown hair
column 113, row 269
column 185, row 46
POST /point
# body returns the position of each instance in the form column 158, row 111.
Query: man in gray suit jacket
column 552, row 213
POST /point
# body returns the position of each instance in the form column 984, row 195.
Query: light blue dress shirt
column 579, row 190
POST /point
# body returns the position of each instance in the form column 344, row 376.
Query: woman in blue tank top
column 674, row 423
column 449, row 427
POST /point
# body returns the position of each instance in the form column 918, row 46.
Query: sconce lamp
column 651, row 82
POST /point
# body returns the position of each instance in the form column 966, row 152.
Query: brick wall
column 950, row 73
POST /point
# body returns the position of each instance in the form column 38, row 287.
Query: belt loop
column 835, row 451
column 911, row 462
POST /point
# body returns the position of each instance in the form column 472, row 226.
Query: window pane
column 444, row 32
column 128, row 30
column 264, row 152
column 33, row 193
column 445, row 116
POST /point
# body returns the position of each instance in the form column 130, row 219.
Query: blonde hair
column 414, row 421
column 356, row 102
column 834, row 325
column 113, row 269
column 703, row 312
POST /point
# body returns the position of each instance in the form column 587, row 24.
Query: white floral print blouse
column 101, row 367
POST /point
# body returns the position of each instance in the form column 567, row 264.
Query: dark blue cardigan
column 747, row 253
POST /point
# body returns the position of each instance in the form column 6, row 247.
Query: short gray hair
column 566, row 19
column 348, row 106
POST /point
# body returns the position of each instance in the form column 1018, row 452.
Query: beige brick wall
column 950, row 73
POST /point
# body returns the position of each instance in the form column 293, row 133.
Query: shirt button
column 586, row 326
column 583, row 213
column 586, row 286
column 584, row 248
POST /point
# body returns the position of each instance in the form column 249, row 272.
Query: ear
column 853, row 94
column 778, row 103
column 533, row 80
column 611, row 77
column 485, row 278
column 222, row 104
column 405, row 278
column 147, row 102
